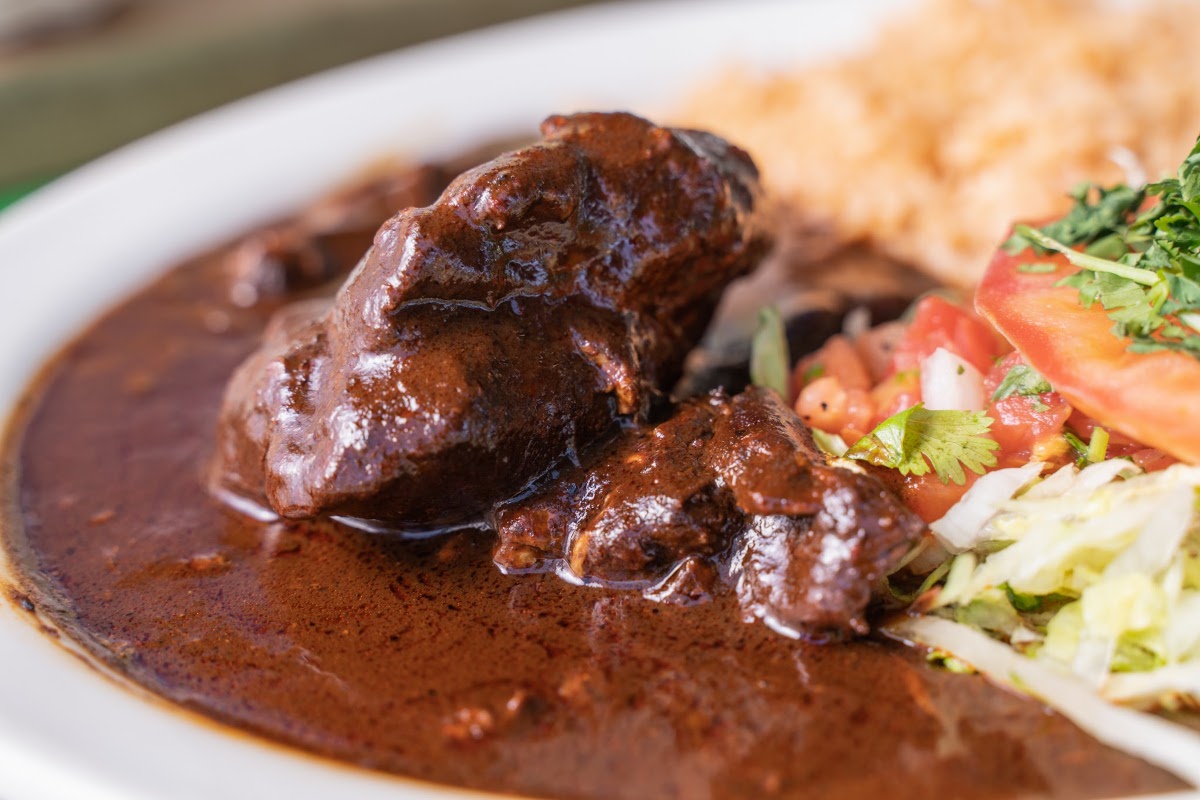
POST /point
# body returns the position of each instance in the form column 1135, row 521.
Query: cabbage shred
column 1095, row 571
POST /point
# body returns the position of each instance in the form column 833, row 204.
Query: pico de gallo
column 1046, row 429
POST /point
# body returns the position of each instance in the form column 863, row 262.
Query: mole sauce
column 418, row 657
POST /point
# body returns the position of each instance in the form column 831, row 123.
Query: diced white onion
column 949, row 383
column 963, row 526
column 1173, row 747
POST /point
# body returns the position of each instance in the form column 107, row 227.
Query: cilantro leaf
column 918, row 439
column 1088, row 220
column 1023, row 381
column 813, row 372
column 1086, row 261
column 1141, row 266
column 1020, row 601
column 1189, row 179
column 769, row 360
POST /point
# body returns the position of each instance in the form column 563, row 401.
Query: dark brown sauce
column 420, row 658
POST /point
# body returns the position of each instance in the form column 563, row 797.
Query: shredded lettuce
column 959, row 530
column 830, row 443
column 1095, row 571
column 769, row 358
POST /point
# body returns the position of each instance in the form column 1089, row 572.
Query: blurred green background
column 81, row 77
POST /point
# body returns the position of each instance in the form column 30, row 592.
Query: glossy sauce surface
column 420, row 658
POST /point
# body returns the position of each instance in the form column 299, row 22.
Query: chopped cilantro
column 943, row 660
column 1089, row 220
column 1024, row 381
column 769, row 360
column 1038, row 267
column 1142, row 267
column 813, row 372
column 1021, row 601
column 1079, row 446
column 1092, row 451
column 918, row 439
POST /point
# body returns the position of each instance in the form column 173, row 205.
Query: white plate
column 81, row 244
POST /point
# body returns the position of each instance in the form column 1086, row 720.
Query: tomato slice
column 1150, row 397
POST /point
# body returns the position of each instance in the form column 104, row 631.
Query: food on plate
column 546, row 296
column 1103, row 303
column 728, row 486
column 323, row 242
column 966, row 116
column 1112, row 328
column 595, row 471
column 415, row 654
column 1075, row 538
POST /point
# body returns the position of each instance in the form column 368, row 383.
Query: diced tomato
column 837, row 358
column 1153, row 460
column 999, row 371
column 895, row 394
column 1149, row 397
column 827, row 405
column 939, row 323
column 1030, row 428
column 1026, row 427
column 928, row 497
